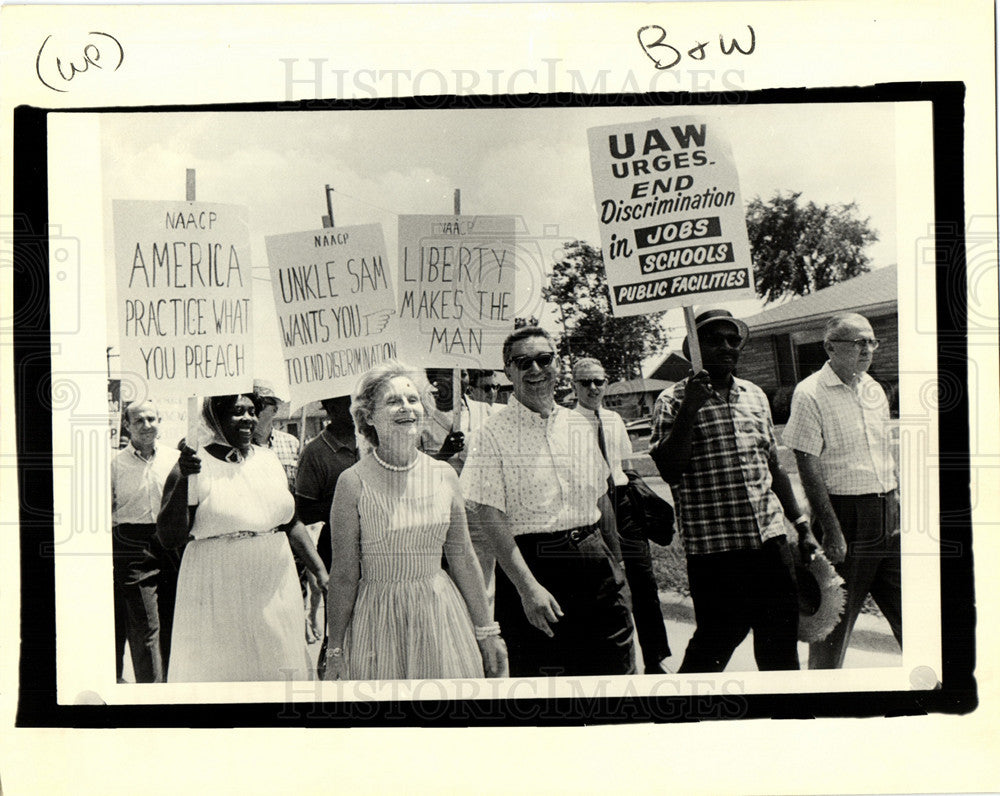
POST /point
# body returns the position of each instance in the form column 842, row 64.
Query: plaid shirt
column 724, row 500
column 286, row 448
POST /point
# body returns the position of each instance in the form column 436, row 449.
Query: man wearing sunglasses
column 536, row 493
column 838, row 429
column 484, row 387
column 713, row 441
column 590, row 382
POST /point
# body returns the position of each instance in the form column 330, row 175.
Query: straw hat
column 821, row 598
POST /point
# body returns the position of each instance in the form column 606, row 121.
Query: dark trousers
column 872, row 566
column 594, row 635
column 145, row 586
column 649, row 626
column 738, row 591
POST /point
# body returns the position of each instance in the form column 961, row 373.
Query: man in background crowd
column 322, row 462
column 839, row 431
column 484, row 387
column 713, row 441
column 284, row 445
column 144, row 572
column 441, row 439
column 590, row 382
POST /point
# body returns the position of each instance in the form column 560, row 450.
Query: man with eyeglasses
column 838, row 429
column 713, row 441
column 590, row 383
column 536, row 493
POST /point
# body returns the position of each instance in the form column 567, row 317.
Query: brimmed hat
column 821, row 598
column 720, row 316
column 264, row 390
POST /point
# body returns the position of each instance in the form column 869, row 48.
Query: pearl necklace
column 396, row 468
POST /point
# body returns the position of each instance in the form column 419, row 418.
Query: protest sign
column 672, row 223
column 184, row 284
column 336, row 307
column 456, row 289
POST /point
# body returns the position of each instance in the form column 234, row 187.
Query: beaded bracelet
column 487, row 631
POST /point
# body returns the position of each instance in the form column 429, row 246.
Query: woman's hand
column 336, row 664
column 494, row 653
column 188, row 461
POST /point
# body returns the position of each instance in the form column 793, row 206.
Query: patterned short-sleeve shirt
column 545, row 474
column 724, row 500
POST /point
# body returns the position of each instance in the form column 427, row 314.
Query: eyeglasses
column 860, row 343
column 524, row 362
column 592, row 382
column 489, row 387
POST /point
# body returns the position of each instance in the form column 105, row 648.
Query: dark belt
column 573, row 536
column 869, row 496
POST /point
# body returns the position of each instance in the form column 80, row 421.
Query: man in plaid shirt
column 713, row 442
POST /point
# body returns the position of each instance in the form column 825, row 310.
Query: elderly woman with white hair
column 393, row 612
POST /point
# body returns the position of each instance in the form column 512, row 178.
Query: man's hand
column 698, row 390
column 453, row 443
column 834, row 544
column 807, row 543
column 541, row 608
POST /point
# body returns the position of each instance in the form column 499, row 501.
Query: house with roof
column 633, row 399
column 786, row 342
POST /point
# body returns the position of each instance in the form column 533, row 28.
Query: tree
column 800, row 249
column 579, row 289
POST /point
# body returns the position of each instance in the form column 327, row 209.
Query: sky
column 532, row 163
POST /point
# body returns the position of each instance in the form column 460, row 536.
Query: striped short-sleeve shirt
column 724, row 500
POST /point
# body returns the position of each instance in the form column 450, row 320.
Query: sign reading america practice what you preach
column 183, row 301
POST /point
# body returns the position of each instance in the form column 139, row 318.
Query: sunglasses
column 592, row 382
column 718, row 338
column 524, row 362
column 489, row 387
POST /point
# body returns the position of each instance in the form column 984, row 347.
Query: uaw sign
column 336, row 307
column 184, row 285
column 672, row 224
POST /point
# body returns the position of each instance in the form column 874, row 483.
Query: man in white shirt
column 145, row 573
column 536, row 492
column 590, row 382
column 839, row 431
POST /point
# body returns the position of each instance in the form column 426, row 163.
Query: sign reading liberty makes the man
column 336, row 307
column 672, row 222
column 456, row 289
column 184, row 288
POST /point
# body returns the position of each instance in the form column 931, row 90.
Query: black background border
column 956, row 692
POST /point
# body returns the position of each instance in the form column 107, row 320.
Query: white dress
column 239, row 613
column 410, row 621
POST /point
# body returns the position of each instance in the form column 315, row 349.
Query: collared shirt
column 286, row 448
column 616, row 438
column 322, row 462
column 544, row 474
column 724, row 500
column 137, row 483
column 847, row 428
